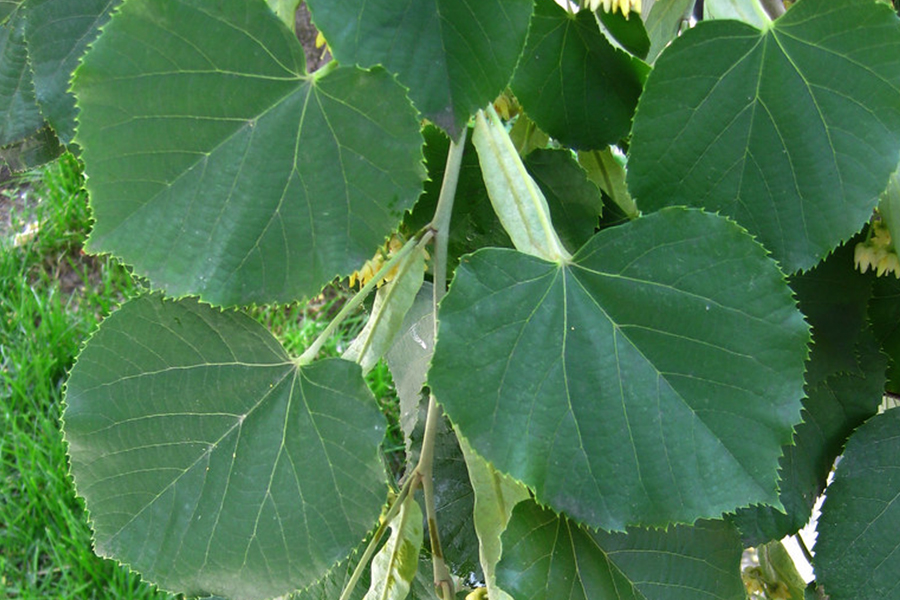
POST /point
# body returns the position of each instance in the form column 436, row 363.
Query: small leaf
column 857, row 532
column 286, row 10
column 628, row 33
column 392, row 301
column 582, row 380
column 58, row 33
column 792, row 131
column 884, row 312
column 396, row 564
column 604, row 169
column 20, row 116
column 664, row 22
column 455, row 57
column 212, row 464
column 547, row 557
column 219, row 168
column 496, row 495
column 568, row 62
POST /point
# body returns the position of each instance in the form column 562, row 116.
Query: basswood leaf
column 210, row 462
column 547, row 557
column 664, row 21
column 857, row 541
column 628, row 33
column 394, row 567
column 455, row 57
column 219, row 168
column 58, row 33
column 748, row 11
column 792, row 131
column 884, row 312
column 569, row 62
column 628, row 386
column 20, row 116
column 833, row 409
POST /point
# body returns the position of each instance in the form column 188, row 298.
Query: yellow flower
column 625, row 6
column 371, row 267
column 877, row 252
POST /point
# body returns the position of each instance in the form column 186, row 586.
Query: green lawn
column 51, row 297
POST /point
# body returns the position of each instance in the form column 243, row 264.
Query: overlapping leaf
column 547, row 557
column 857, row 545
column 218, row 167
column 58, row 33
column 884, row 311
column 454, row 56
column 19, row 112
column 792, row 131
column 630, row 385
column 210, row 462
column 569, row 63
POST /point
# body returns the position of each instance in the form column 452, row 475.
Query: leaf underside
column 219, row 168
column 793, row 131
column 653, row 380
column 211, row 463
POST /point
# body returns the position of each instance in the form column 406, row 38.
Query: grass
column 51, row 297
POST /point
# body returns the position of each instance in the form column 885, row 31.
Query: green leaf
column 219, row 168
column 20, row 116
column 212, row 464
column 574, row 200
column 583, row 381
column 33, row 151
column 396, row 564
column 833, row 409
column 665, row 20
column 388, row 311
column 748, row 11
column 495, row 497
column 455, row 57
column 627, row 32
column 779, row 569
column 608, row 172
column 546, row 557
column 569, row 62
column 58, row 33
column 286, row 10
column 857, row 532
column 834, row 296
column 792, row 131
column 884, row 312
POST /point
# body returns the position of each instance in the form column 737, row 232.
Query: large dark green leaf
column 218, row 167
column 856, row 549
column 574, row 84
column 793, row 131
column 546, row 557
column 455, row 57
column 19, row 113
column 58, row 33
column 833, row 409
column 210, row 462
column 884, row 311
column 628, row 386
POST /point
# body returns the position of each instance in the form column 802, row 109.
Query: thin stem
column 376, row 537
column 310, row 353
column 440, row 225
column 773, row 8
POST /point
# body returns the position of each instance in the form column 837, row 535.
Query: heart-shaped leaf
column 58, row 33
column 792, row 131
column 569, row 63
column 627, row 386
column 857, row 532
column 219, row 168
column 547, row 557
column 455, row 57
column 210, row 462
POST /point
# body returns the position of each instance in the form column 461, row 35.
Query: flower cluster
column 625, row 6
column 877, row 252
column 371, row 267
